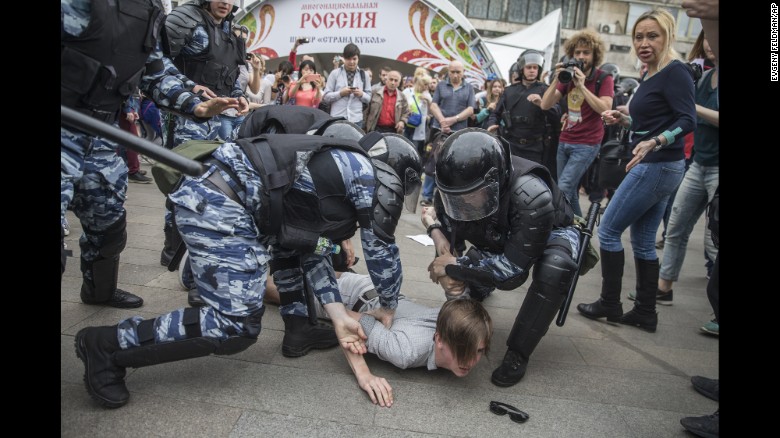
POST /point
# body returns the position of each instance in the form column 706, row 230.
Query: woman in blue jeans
column 662, row 112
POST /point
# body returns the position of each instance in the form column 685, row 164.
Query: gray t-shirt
column 409, row 342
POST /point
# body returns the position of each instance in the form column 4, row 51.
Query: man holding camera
column 582, row 127
column 348, row 88
column 523, row 122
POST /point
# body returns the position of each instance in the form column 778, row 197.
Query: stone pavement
column 585, row 379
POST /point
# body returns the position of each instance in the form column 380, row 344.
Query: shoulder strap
column 363, row 77
column 704, row 78
column 258, row 153
column 601, row 77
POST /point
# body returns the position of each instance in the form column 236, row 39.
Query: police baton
column 586, row 233
column 93, row 126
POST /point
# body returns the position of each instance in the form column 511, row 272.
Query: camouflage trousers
column 93, row 183
column 229, row 264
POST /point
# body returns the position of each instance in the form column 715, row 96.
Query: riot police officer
column 105, row 55
column 523, row 123
column 201, row 44
column 284, row 191
column 515, row 217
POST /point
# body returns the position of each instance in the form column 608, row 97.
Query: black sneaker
column 709, row 388
column 707, row 426
column 426, row 203
column 512, row 369
column 139, row 178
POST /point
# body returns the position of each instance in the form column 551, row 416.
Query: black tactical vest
column 301, row 218
column 104, row 65
column 527, row 119
column 217, row 67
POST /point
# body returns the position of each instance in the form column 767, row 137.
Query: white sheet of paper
column 423, row 239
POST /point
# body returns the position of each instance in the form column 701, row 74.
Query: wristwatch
column 658, row 144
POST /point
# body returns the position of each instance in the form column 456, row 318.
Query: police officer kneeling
column 511, row 211
column 280, row 190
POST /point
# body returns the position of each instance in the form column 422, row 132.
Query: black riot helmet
column 400, row 154
column 343, row 129
column 613, row 70
column 234, row 3
column 472, row 167
column 531, row 56
column 627, row 86
column 514, row 70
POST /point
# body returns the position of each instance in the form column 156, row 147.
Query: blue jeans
column 639, row 202
column 697, row 189
column 573, row 162
column 429, row 183
column 227, row 125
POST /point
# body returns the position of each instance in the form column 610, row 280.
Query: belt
column 527, row 140
column 364, row 299
column 217, row 183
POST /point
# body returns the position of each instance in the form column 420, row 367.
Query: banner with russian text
column 409, row 31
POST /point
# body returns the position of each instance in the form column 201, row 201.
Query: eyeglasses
column 515, row 414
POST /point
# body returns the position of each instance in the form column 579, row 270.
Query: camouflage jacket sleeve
column 382, row 258
column 166, row 85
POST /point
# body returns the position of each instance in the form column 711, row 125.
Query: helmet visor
column 471, row 206
column 412, row 185
column 533, row 58
column 410, row 200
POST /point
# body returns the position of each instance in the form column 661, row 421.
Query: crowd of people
column 499, row 168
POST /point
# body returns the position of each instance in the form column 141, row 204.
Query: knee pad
column 236, row 344
column 115, row 238
column 555, row 269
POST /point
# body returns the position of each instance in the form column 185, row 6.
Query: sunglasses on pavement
column 515, row 414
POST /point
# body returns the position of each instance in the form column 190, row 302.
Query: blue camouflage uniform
column 93, row 178
column 230, row 255
column 186, row 129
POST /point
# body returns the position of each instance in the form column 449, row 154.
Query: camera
column 567, row 73
column 303, row 40
column 286, row 78
column 249, row 56
column 696, row 71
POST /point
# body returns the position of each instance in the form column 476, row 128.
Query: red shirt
column 387, row 114
column 582, row 125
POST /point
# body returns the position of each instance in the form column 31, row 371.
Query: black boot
column 104, row 379
column 643, row 315
column 170, row 244
column 300, row 336
column 102, row 289
column 608, row 304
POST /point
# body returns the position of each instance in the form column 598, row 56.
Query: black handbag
column 613, row 158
